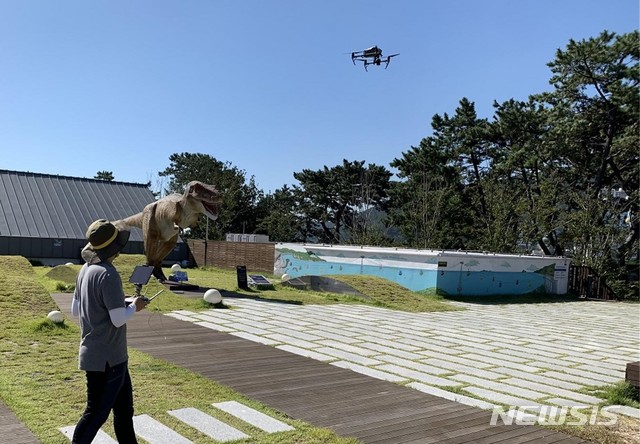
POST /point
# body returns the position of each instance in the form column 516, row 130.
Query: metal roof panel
column 61, row 207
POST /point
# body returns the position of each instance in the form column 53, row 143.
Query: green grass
column 41, row 383
column 388, row 294
column 621, row 393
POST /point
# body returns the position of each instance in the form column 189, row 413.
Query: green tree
column 104, row 175
column 425, row 203
column 523, row 169
column 594, row 136
column 278, row 216
column 240, row 196
column 330, row 198
column 445, row 204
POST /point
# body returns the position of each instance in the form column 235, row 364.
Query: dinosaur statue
column 162, row 220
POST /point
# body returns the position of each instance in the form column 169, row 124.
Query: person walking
column 99, row 302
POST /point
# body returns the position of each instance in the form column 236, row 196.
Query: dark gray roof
column 49, row 206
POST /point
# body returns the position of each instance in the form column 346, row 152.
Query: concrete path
column 486, row 355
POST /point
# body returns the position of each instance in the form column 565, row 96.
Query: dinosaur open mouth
column 210, row 210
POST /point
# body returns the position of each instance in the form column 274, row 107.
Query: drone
column 371, row 56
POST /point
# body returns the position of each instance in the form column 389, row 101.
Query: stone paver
column 462, row 399
column 461, row 368
column 538, row 378
column 155, row 432
column 101, row 437
column 523, row 354
column 418, row 376
column 625, row 410
column 500, row 398
column 500, row 387
column 379, row 374
column 292, row 340
column 388, row 350
column 210, row 426
column 414, row 365
column 255, row 338
column 308, row 353
column 253, row 417
column 215, row 326
column 582, row 398
column 337, row 337
column 351, row 357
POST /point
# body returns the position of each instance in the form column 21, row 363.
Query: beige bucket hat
column 105, row 240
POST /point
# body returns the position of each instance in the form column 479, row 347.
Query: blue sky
column 267, row 85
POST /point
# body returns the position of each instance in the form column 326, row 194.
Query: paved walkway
column 12, row 431
column 518, row 355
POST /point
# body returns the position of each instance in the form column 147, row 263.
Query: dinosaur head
column 204, row 198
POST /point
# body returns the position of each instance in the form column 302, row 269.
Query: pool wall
column 450, row 272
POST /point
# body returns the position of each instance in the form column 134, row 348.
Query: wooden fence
column 585, row 282
column 255, row 256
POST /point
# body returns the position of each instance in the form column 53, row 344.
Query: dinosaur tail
column 131, row 221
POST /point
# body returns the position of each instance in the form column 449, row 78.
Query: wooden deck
column 351, row 404
column 12, row 431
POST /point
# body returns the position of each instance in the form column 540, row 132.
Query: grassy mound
column 22, row 298
column 63, row 273
column 389, row 294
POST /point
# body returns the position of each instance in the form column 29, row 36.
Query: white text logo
column 553, row 415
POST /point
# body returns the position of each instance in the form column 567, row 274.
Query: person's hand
column 141, row 303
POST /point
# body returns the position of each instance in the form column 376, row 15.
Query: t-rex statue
column 162, row 220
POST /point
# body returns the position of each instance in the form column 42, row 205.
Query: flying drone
column 371, row 56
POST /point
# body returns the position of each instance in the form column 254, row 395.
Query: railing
column 586, row 283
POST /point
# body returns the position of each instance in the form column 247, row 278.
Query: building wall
column 53, row 251
column 455, row 273
column 57, row 251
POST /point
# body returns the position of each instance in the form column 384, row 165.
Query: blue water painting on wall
column 451, row 273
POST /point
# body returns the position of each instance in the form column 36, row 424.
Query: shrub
column 65, row 288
